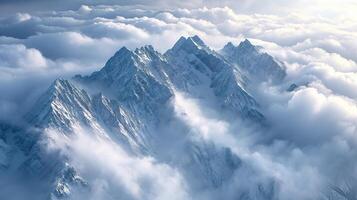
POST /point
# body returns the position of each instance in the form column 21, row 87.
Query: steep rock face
column 118, row 122
column 257, row 64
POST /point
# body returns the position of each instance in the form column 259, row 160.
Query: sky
column 319, row 7
column 315, row 125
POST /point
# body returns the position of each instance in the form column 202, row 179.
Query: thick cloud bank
column 311, row 146
column 113, row 173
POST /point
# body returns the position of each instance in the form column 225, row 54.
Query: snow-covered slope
column 64, row 105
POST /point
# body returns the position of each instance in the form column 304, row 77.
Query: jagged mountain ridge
column 250, row 59
column 193, row 60
column 125, row 99
column 65, row 105
column 143, row 80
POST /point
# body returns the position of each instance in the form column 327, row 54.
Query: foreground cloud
column 281, row 175
column 114, row 172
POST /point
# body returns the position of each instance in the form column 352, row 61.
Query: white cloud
column 114, row 172
column 107, row 28
column 18, row 56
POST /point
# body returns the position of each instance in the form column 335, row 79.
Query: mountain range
column 129, row 102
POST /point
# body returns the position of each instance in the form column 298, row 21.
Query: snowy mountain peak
column 147, row 53
column 246, row 45
column 197, row 40
column 62, row 105
column 146, row 48
column 123, row 60
column 179, row 42
column 61, row 86
column 189, row 44
column 229, row 46
column 123, row 52
column 257, row 65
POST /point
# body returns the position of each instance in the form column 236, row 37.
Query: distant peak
column 60, row 84
column 149, row 47
column 179, row 43
column 146, row 48
column 189, row 43
column 229, row 46
column 246, row 41
column 123, row 52
column 246, row 44
column 59, row 80
column 197, row 40
column 122, row 55
column 147, row 53
column 181, row 40
column 124, row 49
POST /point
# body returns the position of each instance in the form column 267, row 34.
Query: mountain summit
column 188, row 43
column 256, row 64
